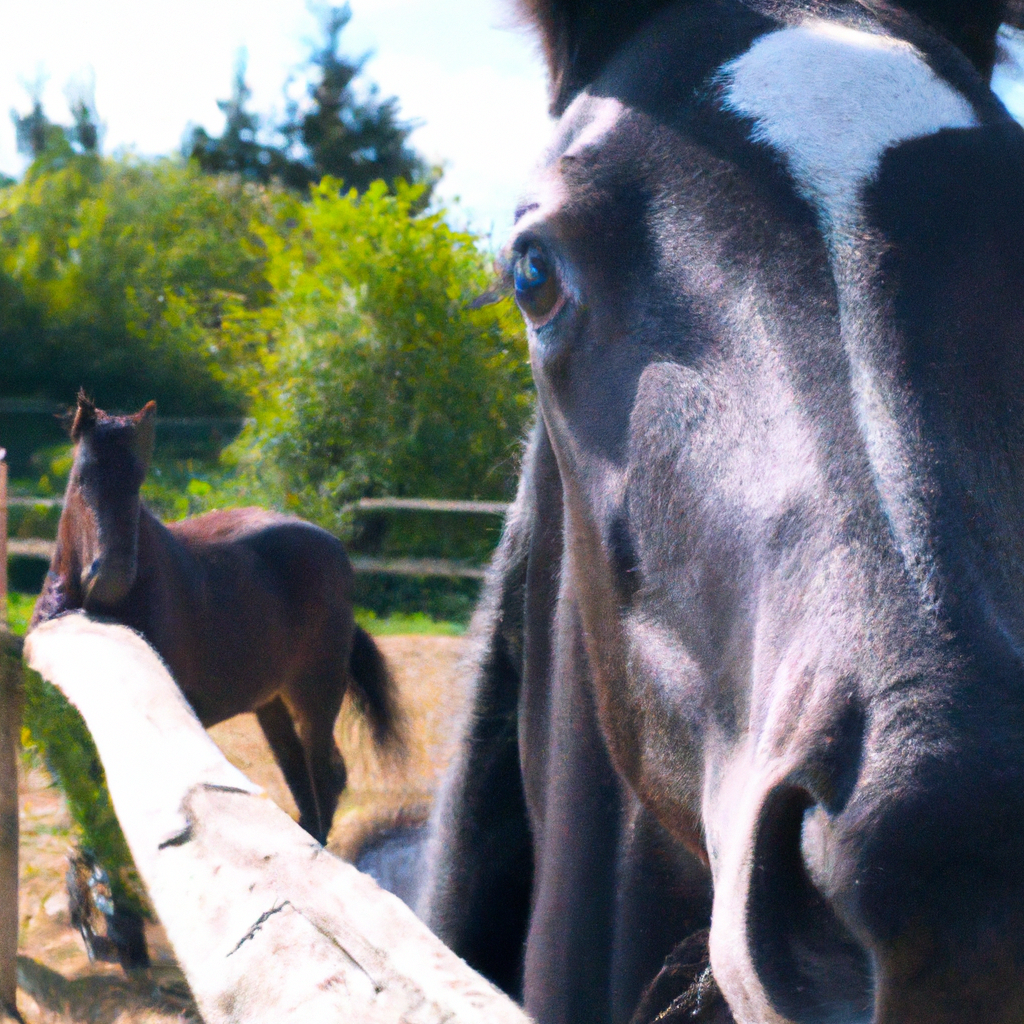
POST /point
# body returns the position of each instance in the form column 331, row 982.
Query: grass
column 19, row 611
column 404, row 623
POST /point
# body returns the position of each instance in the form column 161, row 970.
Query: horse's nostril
column 811, row 967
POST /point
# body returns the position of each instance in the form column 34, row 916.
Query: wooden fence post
column 10, row 740
column 3, row 538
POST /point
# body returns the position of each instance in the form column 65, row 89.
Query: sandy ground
column 58, row 985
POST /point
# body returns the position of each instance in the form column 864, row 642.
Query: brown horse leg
column 324, row 761
column 314, row 700
column 277, row 726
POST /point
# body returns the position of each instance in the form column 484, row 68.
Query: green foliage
column 403, row 623
column 387, row 595
column 55, row 731
column 374, row 371
column 19, row 611
column 112, row 273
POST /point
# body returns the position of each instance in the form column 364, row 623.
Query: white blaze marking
column 832, row 99
column 604, row 112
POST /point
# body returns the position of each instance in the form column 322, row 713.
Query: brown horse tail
column 374, row 692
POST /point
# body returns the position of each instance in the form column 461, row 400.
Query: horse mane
column 579, row 37
column 970, row 25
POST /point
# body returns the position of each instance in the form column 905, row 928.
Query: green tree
column 116, row 271
column 238, row 150
column 36, row 136
column 339, row 129
column 45, row 141
column 375, row 370
column 341, row 135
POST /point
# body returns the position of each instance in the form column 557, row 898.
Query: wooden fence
column 34, row 547
column 268, row 927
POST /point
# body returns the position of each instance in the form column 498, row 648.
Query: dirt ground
column 58, row 985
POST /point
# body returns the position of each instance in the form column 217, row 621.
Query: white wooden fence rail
column 363, row 504
column 268, row 927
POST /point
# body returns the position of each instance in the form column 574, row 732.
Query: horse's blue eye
column 536, row 283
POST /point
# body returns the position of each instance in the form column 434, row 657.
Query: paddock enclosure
column 745, row 736
column 302, row 952
column 383, row 794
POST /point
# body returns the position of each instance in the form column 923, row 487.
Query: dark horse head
column 99, row 530
column 771, row 532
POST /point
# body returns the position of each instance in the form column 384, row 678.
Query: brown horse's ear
column 580, row 36
column 145, row 432
column 85, row 415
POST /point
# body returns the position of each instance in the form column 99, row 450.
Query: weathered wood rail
column 34, row 547
column 267, row 925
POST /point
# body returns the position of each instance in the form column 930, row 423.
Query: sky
column 462, row 69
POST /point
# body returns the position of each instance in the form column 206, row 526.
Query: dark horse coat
column 751, row 657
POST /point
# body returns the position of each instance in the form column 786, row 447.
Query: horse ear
column 84, row 417
column 145, row 432
column 580, row 36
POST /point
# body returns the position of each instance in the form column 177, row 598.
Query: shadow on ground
column 158, row 994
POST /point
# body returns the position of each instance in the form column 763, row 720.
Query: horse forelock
column 580, row 37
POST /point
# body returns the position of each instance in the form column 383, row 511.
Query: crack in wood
column 260, row 922
column 179, row 838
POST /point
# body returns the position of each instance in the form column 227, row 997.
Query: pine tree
column 336, row 131
column 356, row 140
column 238, row 150
column 49, row 143
column 84, row 135
column 36, row 135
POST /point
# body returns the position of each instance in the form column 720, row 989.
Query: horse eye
column 536, row 283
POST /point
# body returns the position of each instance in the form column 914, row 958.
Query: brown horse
column 251, row 611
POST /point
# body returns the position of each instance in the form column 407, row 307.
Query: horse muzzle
column 107, row 581
column 906, row 906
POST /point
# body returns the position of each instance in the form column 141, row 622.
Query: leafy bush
column 375, row 370
column 112, row 273
column 55, row 729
